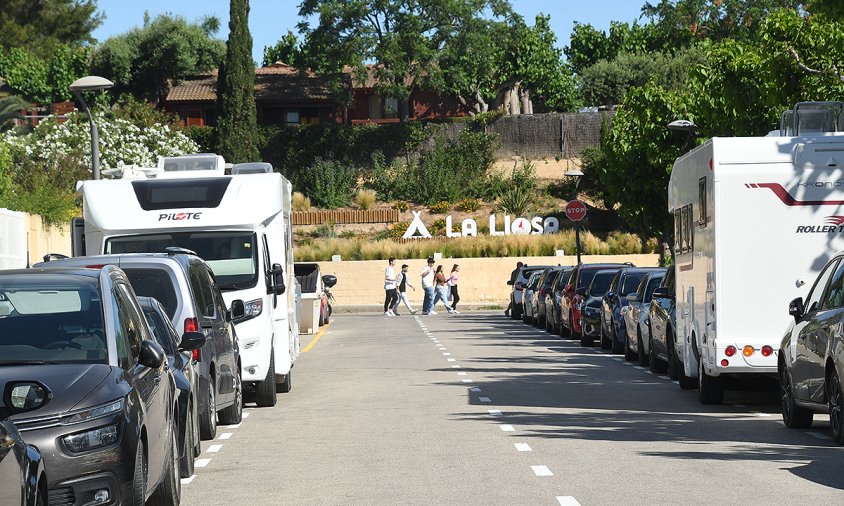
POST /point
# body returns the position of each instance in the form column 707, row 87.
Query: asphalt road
column 479, row 409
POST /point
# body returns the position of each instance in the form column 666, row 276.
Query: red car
column 573, row 296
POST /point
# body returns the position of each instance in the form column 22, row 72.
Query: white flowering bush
column 121, row 141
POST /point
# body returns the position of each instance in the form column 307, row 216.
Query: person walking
column 513, row 277
column 428, row 287
column 403, row 283
column 453, row 295
column 390, row 294
column 440, row 294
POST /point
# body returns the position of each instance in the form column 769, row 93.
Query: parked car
column 661, row 316
column 108, row 430
column 178, row 350
column 542, row 291
column 516, row 295
column 590, row 306
column 580, row 279
column 613, row 330
column 23, row 479
column 186, row 288
column 555, row 295
column 636, row 316
column 528, row 300
column 810, row 364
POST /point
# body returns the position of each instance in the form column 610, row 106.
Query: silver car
column 636, row 317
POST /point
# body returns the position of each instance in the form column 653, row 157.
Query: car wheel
column 710, row 389
column 265, row 390
column 548, row 323
column 287, row 385
column 516, row 313
column 617, row 347
column 643, row 358
column 686, row 382
column 673, row 362
column 186, row 463
column 197, row 445
column 606, row 344
column 836, row 408
column 657, row 366
column 233, row 414
column 208, row 420
column 139, row 476
column 793, row 416
column 169, row 491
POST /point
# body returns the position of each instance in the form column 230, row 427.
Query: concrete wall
column 483, row 281
column 45, row 239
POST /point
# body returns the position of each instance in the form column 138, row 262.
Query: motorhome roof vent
column 252, row 168
column 812, row 118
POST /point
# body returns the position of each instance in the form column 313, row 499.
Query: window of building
column 391, row 108
column 291, row 118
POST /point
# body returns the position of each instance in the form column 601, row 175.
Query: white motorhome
column 755, row 219
column 239, row 224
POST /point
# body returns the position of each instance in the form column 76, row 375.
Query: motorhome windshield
column 231, row 255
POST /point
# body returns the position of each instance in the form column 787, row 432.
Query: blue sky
column 270, row 19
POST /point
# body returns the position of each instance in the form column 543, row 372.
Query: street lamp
column 91, row 83
column 578, row 175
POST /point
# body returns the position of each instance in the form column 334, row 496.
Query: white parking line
column 818, row 435
column 495, row 412
column 447, row 354
column 639, row 367
column 567, row 500
column 452, row 360
column 523, row 447
column 225, row 435
column 484, row 399
column 214, row 448
column 507, row 427
column 474, row 389
column 201, row 462
column 235, row 426
column 186, row 481
column 541, row 471
column 462, row 373
column 246, row 414
column 456, row 367
column 467, row 381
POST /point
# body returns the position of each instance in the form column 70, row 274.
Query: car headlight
column 92, row 439
column 95, row 412
column 252, row 308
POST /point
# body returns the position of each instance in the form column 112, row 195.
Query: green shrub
column 652, row 245
column 519, row 194
column 440, row 207
column 469, row 205
column 326, row 231
column 203, row 136
column 620, row 243
column 300, row 202
column 328, row 183
column 401, row 205
column 365, row 199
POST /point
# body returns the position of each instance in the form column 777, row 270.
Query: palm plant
column 10, row 109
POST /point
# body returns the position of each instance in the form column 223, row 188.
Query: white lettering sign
column 469, row 227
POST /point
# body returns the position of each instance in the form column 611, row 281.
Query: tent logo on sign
column 469, row 227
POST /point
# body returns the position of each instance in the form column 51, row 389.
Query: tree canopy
column 144, row 60
column 42, row 25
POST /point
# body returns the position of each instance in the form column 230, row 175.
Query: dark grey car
column 23, row 480
column 108, row 431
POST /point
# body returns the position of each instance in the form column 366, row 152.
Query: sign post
column 576, row 211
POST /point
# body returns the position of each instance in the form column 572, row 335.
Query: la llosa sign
column 469, row 227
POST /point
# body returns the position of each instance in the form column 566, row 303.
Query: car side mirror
column 661, row 292
column 633, row 297
column 276, row 285
column 581, row 291
column 609, row 295
column 237, row 310
column 192, row 341
column 329, row 280
column 152, row 354
column 796, row 308
column 23, row 396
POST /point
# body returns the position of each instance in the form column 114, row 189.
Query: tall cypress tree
column 237, row 126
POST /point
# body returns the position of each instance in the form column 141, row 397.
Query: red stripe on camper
column 790, row 201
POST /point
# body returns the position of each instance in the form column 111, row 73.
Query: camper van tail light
column 724, row 362
column 747, row 351
column 767, row 351
column 191, row 325
column 730, row 351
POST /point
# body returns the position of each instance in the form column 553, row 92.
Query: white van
column 240, row 225
column 755, row 219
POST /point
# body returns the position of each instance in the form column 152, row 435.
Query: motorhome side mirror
column 192, row 341
column 329, row 280
column 151, row 355
column 237, row 310
column 23, row 396
column 276, row 280
column 795, row 307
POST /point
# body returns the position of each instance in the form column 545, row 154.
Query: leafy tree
column 42, row 25
column 287, row 50
column 143, row 61
column 237, row 127
column 403, row 37
column 588, row 45
column 10, row 108
column 40, row 80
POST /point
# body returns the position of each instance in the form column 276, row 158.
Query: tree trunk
column 404, row 110
column 514, row 99
column 527, row 105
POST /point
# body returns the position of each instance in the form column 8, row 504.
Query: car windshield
column 631, row 283
column 601, row 284
column 652, row 284
column 51, row 318
column 160, row 329
column 233, row 256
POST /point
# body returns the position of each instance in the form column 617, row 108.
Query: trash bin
column 307, row 274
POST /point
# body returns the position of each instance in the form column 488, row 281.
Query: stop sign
column 575, row 210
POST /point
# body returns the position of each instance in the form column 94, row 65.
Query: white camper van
column 755, row 219
column 239, row 224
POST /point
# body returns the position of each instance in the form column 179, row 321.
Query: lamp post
column 578, row 175
column 91, row 83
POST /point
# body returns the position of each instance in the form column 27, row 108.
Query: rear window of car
column 586, row 277
column 652, row 284
column 160, row 330
column 156, row 283
column 549, row 278
column 631, row 282
column 601, row 284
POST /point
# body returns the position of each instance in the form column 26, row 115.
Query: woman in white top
column 452, row 287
